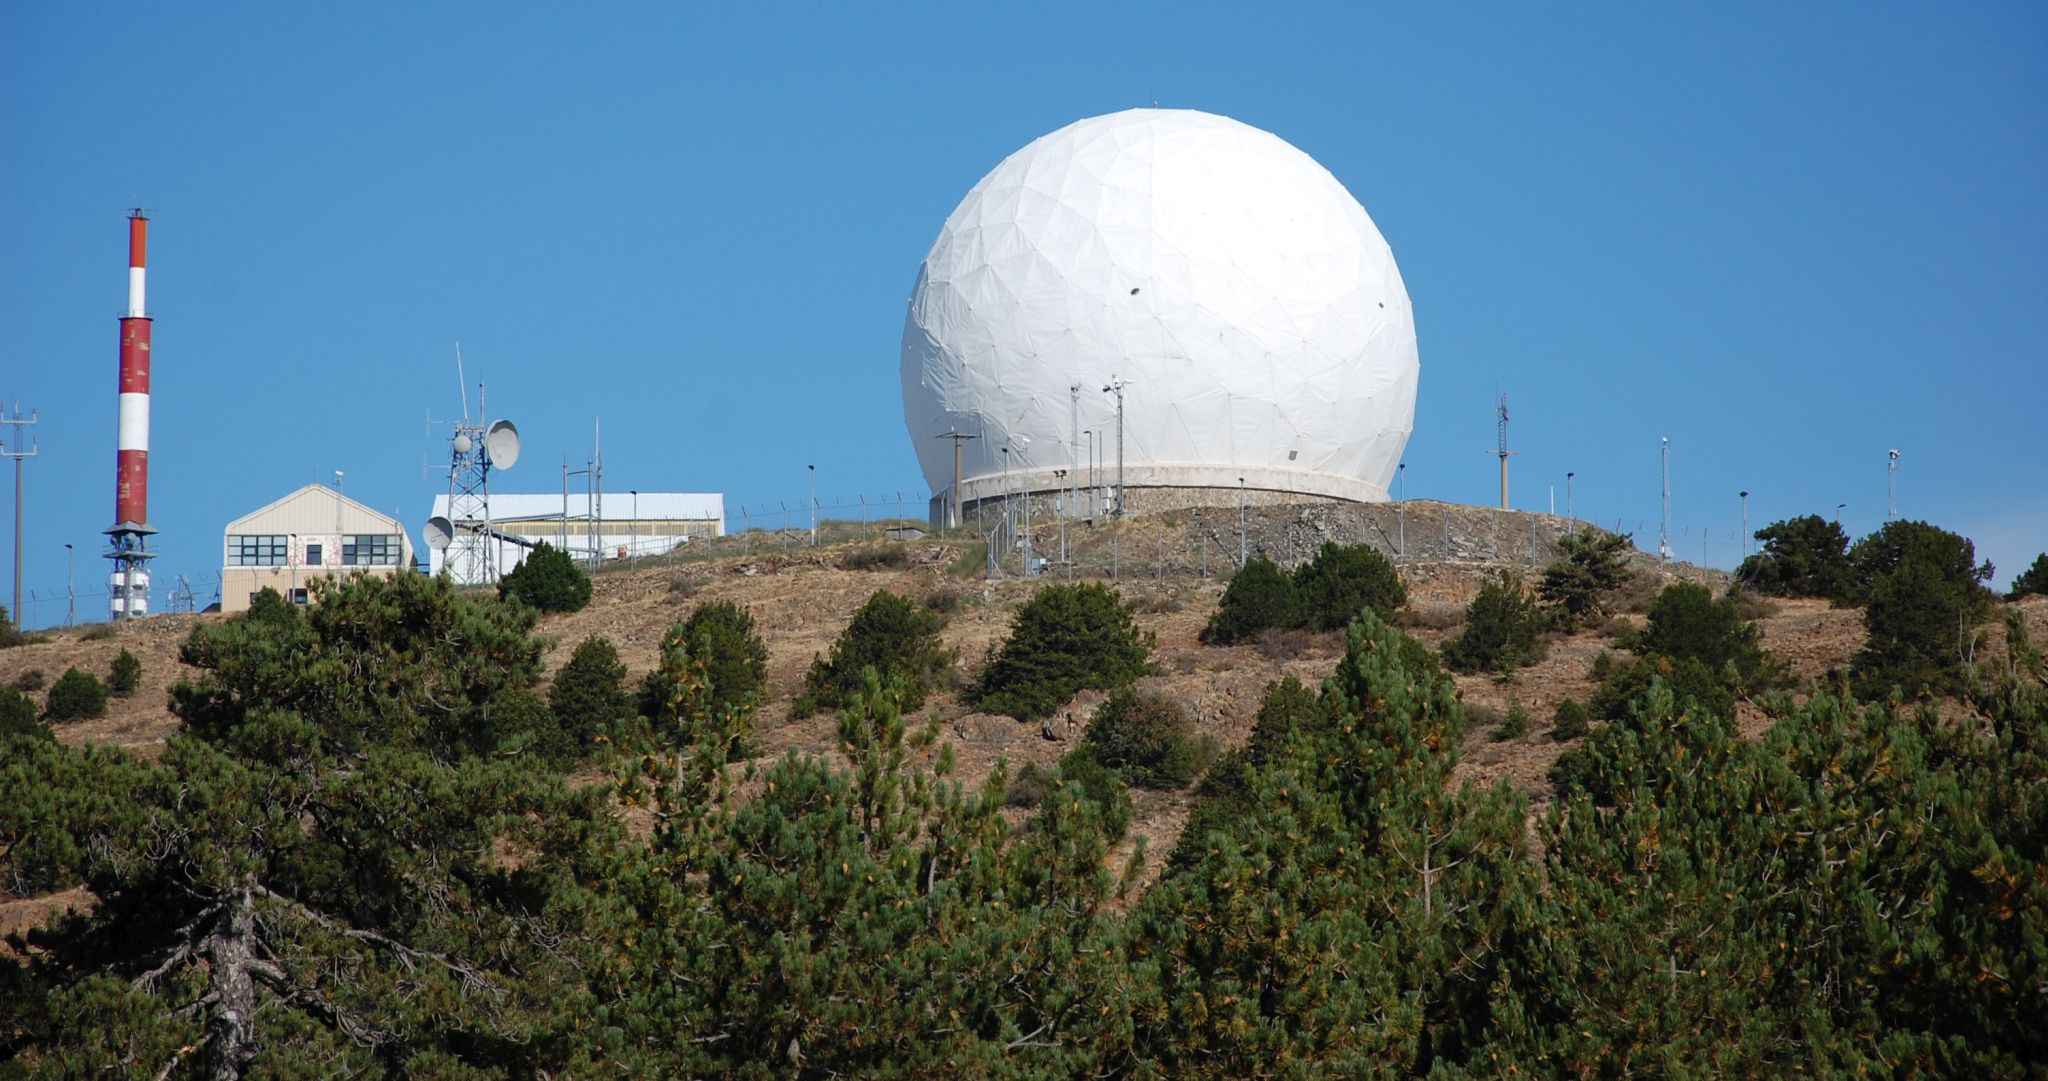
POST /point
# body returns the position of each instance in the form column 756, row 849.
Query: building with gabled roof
column 315, row 532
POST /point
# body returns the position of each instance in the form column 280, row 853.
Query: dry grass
column 800, row 602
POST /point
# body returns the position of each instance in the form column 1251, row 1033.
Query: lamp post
column 1116, row 386
column 1401, row 505
column 814, row 504
column 70, row 590
column 633, row 530
column 1568, row 495
column 1090, row 433
column 1745, row 523
column 1838, row 512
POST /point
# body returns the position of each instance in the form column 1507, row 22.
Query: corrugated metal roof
column 618, row 506
column 312, row 509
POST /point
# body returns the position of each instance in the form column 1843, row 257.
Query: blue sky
column 1788, row 237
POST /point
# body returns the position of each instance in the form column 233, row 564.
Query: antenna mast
column 1891, row 486
column 1504, row 452
column 17, row 423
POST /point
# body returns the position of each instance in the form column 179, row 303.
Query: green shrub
column 99, row 632
column 1101, row 787
column 1924, row 596
column 1502, row 627
column 1066, row 637
column 1260, row 596
column 76, row 696
column 722, row 636
column 896, row 637
column 1801, row 557
column 1687, row 621
column 548, row 580
column 1688, row 679
column 1569, row 721
column 588, row 694
column 125, row 676
column 2033, row 580
column 876, row 557
column 1345, row 579
column 1146, row 738
column 1513, row 726
column 269, row 607
column 1580, row 587
column 519, row 722
column 18, row 717
column 10, row 635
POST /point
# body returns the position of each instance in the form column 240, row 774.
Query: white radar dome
column 1248, row 306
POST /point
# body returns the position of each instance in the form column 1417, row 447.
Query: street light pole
column 1116, row 386
column 633, row 530
column 70, row 590
column 1568, row 495
column 1745, row 524
column 1401, row 505
column 814, row 504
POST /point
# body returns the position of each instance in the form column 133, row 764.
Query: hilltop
column 802, row 596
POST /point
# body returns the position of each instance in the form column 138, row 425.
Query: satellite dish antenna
column 501, row 444
column 463, row 443
column 440, row 531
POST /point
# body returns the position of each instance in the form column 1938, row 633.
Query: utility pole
column 957, row 438
column 1116, row 386
column 16, row 422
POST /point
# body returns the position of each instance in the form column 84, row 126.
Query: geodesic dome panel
column 1249, row 306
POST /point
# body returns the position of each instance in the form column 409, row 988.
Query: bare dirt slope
column 802, row 599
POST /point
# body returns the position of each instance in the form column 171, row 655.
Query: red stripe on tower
column 131, row 473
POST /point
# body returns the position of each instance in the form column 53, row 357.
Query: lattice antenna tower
column 1501, row 413
column 466, row 536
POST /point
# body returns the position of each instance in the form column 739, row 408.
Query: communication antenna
column 464, row 535
column 1116, row 386
column 1502, row 412
column 1891, row 485
column 1664, row 526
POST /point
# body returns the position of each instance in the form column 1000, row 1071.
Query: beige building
column 315, row 532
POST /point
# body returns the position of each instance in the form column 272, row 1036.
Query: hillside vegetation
column 1663, row 830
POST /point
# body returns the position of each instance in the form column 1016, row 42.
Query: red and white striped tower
column 128, row 585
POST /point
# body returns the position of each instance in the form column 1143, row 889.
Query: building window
column 256, row 550
column 312, row 555
column 370, row 550
column 299, row 596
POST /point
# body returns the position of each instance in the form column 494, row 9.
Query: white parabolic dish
column 1245, row 299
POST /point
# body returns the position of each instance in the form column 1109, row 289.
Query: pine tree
column 547, row 579
column 125, row 676
column 893, row 635
column 77, row 695
column 1502, row 625
column 1344, row 580
column 1579, row 587
column 332, row 866
column 1065, row 638
column 2033, row 580
column 1806, row 556
column 1260, row 597
column 588, row 695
